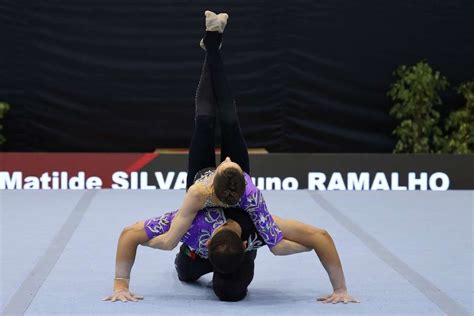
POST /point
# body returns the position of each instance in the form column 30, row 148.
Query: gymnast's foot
column 222, row 17
column 212, row 22
column 215, row 23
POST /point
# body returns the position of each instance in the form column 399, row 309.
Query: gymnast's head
column 225, row 247
column 229, row 182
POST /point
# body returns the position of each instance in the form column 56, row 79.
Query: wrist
column 121, row 284
column 340, row 290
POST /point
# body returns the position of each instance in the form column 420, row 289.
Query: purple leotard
column 210, row 218
column 205, row 222
column 253, row 203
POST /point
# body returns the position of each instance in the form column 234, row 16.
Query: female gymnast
column 214, row 190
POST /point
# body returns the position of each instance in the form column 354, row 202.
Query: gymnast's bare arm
column 287, row 247
column 193, row 202
column 129, row 239
column 304, row 235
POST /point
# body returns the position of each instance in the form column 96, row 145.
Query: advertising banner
column 153, row 171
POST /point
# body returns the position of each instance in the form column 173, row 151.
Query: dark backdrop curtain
column 309, row 76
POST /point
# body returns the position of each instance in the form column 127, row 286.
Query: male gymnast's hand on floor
column 338, row 296
column 123, row 295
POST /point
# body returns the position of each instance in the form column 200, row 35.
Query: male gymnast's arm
column 285, row 237
column 298, row 235
column 193, row 202
column 129, row 239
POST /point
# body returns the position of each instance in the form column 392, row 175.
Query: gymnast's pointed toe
column 213, row 23
column 222, row 17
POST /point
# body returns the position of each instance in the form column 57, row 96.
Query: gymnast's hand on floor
column 123, row 295
column 338, row 296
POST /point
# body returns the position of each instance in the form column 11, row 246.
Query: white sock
column 212, row 22
column 222, row 17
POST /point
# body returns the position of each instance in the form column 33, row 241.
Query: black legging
column 228, row 287
column 213, row 93
column 214, row 89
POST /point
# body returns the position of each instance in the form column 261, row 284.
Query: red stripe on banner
column 140, row 163
column 102, row 165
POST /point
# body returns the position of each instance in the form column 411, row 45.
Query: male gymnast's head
column 229, row 182
column 225, row 247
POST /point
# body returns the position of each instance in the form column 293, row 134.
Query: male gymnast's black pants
column 228, row 287
column 214, row 95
